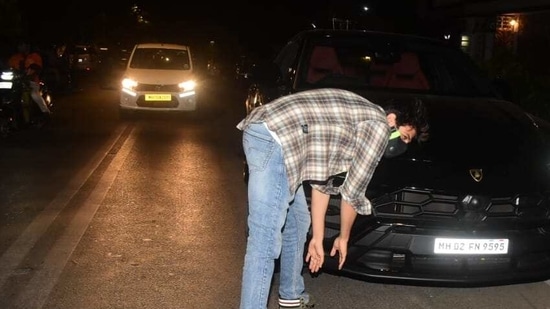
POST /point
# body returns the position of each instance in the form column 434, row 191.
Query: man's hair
column 410, row 111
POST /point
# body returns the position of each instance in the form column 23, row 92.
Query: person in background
column 311, row 136
column 34, row 59
column 28, row 61
column 16, row 62
column 62, row 67
column 17, row 59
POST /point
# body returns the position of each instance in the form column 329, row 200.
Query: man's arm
column 347, row 217
column 316, row 254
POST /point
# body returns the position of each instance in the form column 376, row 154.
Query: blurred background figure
column 17, row 59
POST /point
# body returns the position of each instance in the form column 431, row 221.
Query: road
column 98, row 212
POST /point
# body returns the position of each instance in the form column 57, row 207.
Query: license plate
column 470, row 246
column 158, row 97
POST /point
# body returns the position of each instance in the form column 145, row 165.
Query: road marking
column 15, row 254
column 19, row 249
column 38, row 289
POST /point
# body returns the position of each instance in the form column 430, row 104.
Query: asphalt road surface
column 98, row 212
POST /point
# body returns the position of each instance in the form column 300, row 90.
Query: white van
column 159, row 77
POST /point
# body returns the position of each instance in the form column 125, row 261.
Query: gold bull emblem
column 477, row 174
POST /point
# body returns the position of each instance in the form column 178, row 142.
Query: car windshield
column 160, row 59
column 382, row 63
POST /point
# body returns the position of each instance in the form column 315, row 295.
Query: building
column 481, row 26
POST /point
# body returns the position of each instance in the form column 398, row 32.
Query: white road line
column 38, row 289
column 15, row 254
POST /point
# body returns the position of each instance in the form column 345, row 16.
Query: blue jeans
column 278, row 223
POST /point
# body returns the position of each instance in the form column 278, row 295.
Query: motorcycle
column 17, row 108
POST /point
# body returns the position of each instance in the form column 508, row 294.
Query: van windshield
column 160, row 59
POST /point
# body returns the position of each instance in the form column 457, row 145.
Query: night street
column 409, row 139
column 150, row 213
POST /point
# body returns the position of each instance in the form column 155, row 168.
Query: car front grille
column 454, row 269
column 158, row 88
column 417, row 205
column 428, row 209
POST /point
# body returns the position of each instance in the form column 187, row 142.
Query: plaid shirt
column 325, row 132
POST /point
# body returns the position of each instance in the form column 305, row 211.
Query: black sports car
column 468, row 207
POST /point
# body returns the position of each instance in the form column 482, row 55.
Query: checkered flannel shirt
column 326, row 132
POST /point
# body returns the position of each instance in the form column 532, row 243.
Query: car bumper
column 406, row 254
column 177, row 102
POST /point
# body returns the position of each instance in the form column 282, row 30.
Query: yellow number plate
column 158, row 97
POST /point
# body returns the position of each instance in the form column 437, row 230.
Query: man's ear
column 391, row 119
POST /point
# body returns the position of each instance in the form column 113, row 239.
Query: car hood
column 158, row 77
column 476, row 145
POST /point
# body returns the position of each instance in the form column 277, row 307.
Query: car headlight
column 129, row 83
column 188, row 88
column 187, row 85
column 6, row 85
column 128, row 86
column 6, row 80
column 7, row 75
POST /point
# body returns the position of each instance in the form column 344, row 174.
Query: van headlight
column 128, row 86
column 129, row 83
column 187, row 88
column 187, row 85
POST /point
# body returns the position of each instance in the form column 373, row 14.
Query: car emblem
column 477, row 174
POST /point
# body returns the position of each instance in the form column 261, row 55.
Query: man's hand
column 315, row 255
column 340, row 245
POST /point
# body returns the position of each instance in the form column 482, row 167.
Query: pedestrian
column 17, row 60
column 311, row 136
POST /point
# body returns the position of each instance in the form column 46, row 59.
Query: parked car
column 159, row 77
column 112, row 67
column 85, row 58
column 468, row 207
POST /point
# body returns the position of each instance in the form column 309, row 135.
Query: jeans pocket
column 258, row 149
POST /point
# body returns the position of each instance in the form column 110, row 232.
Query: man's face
column 399, row 138
column 408, row 133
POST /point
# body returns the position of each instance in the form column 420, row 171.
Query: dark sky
column 248, row 23
column 240, row 15
column 277, row 19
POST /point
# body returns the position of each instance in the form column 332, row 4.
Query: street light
column 514, row 24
